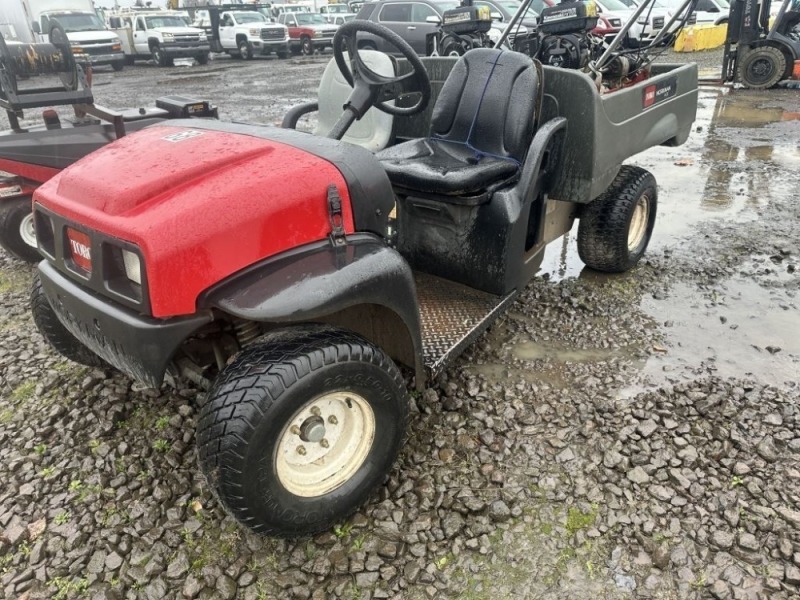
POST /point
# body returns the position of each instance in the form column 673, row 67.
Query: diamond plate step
column 453, row 316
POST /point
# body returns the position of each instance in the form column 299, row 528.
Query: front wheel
column 282, row 54
column 202, row 59
column 615, row 228
column 158, row 56
column 245, row 50
column 298, row 430
column 762, row 67
column 118, row 66
column 17, row 234
column 55, row 334
column 307, row 45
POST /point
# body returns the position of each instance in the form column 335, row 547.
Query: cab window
column 420, row 12
column 396, row 13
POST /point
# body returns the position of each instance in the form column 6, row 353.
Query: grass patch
column 23, row 392
column 577, row 519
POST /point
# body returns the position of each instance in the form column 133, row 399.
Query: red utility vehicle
column 308, row 32
column 266, row 265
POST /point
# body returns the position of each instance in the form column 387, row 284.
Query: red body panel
column 28, row 171
column 200, row 204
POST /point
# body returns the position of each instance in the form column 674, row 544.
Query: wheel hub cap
column 27, row 231
column 638, row 226
column 324, row 444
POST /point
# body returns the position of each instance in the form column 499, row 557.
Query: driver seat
column 482, row 125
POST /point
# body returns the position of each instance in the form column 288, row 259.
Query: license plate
column 80, row 247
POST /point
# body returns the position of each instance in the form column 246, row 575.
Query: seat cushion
column 440, row 167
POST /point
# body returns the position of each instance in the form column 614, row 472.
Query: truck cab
column 248, row 33
column 87, row 34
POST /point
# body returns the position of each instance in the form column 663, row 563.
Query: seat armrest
column 549, row 136
column 296, row 112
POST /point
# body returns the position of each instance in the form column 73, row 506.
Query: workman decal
column 182, row 135
column 658, row 92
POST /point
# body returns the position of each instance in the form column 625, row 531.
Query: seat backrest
column 489, row 101
column 374, row 130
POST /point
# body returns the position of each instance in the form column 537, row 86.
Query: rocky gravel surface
column 585, row 446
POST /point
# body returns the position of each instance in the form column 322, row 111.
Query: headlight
column 77, row 50
column 285, row 30
column 116, row 47
column 168, row 37
column 255, row 32
column 133, row 266
column 317, row 34
column 203, row 37
column 642, row 20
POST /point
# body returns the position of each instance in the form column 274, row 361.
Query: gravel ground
column 634, row 436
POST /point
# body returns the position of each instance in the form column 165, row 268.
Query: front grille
column 101, row 42
column 328, row 33
column 97, row 50
column 187, row 38
column 658, row 22
column 272, row 34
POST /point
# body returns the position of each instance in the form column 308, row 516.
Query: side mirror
column 35, row 27
column 433, row 19
column 496, row 16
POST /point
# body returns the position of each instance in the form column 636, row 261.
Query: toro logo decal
column 182, row 135
column 81, row 249
column 658, row 92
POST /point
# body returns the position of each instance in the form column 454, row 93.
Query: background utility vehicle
column 161, row 36
column 29, row 156
column 244, row 31
column 296, row 302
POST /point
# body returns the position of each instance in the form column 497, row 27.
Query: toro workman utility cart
column 266, row 263
column 29, row 156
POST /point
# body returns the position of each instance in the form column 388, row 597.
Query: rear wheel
column 615, row 228
column 298, row 430
column 245, row 50
column 762, row 67
column 56, row 334
column 307, row 45
column 16, row 229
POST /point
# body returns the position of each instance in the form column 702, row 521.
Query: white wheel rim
column 324, row 444
column 638, row 226
column 27, row 231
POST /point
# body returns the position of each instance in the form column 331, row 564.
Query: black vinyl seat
column 481, row 128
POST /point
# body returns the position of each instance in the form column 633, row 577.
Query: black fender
column 362, row 285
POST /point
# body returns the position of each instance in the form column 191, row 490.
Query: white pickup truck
column 245, row 33
column 159, row 35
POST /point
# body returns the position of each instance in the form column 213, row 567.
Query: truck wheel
column 615, row 227
column 282, row 54
column 245, row 50
column 118, row 66
column 307, row 45
column 158, row 56
column 202, row 59
column 296, row 432
column 16, row 229
column 762, row 67
column 56, row 334
column 130, row 60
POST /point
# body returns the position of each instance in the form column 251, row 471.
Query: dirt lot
column 634, row 436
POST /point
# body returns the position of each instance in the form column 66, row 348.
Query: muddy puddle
column 735, row 161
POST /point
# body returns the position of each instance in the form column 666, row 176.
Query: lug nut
column 315, row 411
column 324, row 443
column 333, row 420
column 295, row 430
column 301, row 450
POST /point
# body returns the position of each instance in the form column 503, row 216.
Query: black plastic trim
column 141, row 347
column 318, row 279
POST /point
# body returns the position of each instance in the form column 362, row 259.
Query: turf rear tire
column 56, row 334
column 258, row 411
column 16, row 229
column 615, row 228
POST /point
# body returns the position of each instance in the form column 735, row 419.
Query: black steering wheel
column 370, row 88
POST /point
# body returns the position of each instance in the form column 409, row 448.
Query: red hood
column 201, row 204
